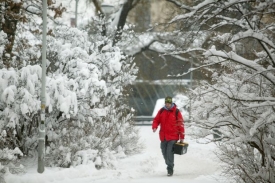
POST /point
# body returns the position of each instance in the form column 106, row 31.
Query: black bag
column 180, row 148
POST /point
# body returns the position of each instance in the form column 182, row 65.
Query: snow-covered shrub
column 86, row 85
column 18, row 115
column 100, row 117
column 85, row 105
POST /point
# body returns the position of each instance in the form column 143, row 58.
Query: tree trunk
column 11, row 17
column 122, row 20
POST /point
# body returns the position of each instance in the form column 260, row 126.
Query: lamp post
column 41, row 128
column 107, row 9
column 76, row 8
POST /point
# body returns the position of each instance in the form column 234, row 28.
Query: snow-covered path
column 199, row 165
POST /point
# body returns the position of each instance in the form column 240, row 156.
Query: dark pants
column 167, row 152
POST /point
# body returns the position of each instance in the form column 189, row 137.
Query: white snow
column 199, row 165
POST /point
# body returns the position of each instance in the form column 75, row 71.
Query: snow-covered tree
column 87, row 119
column 238, row 104
column 14, row 12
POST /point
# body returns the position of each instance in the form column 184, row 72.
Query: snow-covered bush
column 98, row 80
column 18, row 114
column 86, row 109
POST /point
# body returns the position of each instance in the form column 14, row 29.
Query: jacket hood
column 173, row 106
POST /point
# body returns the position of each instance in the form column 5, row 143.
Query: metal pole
column 76, row 7
column 41, row 140
column 1, row 14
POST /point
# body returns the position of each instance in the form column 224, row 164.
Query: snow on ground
column 199, row 165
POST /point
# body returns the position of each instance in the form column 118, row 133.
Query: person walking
column 171, row 130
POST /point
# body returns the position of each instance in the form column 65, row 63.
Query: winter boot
column 170, row 173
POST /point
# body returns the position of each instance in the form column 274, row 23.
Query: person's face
column 168, row 105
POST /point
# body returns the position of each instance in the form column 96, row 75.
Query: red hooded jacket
column 171, row 127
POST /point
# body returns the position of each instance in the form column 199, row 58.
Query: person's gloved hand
column 154, row 130
column 181, row 140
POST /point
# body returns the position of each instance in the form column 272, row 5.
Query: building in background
column 152, row 80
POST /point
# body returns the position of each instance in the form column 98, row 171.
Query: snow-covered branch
column 256, row 35
column 180, row 5
column 240, row 60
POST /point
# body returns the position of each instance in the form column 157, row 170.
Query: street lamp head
column 107, row 8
